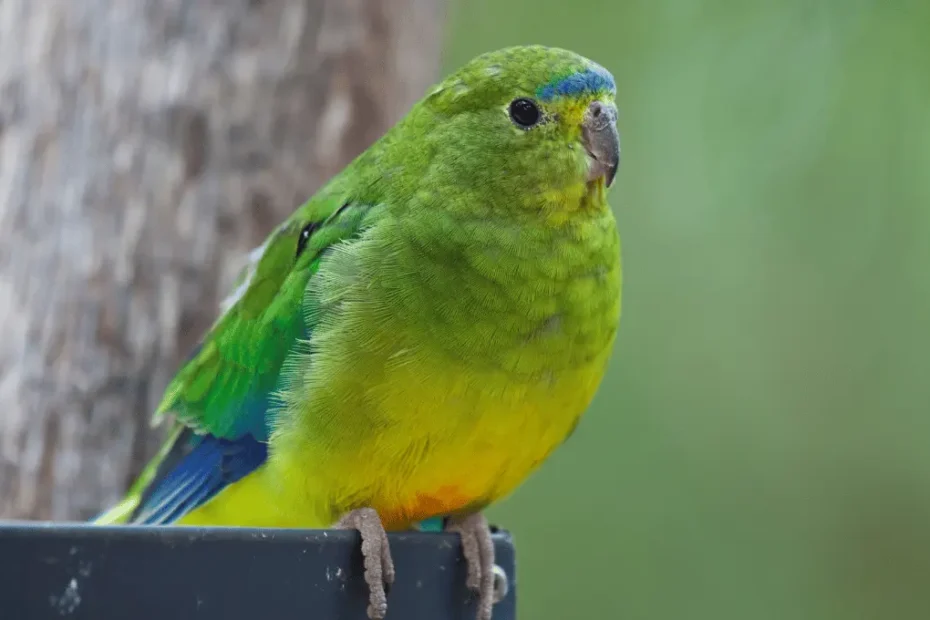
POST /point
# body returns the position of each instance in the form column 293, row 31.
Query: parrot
column 420, row 335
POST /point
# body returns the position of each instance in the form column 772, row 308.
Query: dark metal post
column 85, row 572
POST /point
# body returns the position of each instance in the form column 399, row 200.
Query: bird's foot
column 379, row 567
column 484, row 577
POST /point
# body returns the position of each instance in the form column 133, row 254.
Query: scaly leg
column 484, row 577
column 379, row 567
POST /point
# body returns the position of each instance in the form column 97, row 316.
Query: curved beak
column 601, row 141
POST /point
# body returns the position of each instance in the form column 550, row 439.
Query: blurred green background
column 761, row 446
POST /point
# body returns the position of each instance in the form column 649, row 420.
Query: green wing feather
column 227, row 386
column 223, row 388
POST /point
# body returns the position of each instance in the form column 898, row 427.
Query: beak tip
column 611, row 174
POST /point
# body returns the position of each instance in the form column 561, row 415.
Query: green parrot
column 421, row 334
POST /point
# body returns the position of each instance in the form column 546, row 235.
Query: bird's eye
column 524, row 112
column 305, row 237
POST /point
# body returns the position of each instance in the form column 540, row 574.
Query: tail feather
column 118, row 514
column 189, row 471
column 125, row 509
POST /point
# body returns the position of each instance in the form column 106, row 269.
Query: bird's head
column 532, row 126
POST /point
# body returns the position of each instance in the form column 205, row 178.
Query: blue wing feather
column 198, row 467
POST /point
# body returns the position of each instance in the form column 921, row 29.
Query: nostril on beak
column 601, row 140
column 599, row 115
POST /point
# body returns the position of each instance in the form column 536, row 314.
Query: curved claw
column 501, row 584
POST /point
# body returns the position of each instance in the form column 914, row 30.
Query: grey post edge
column 92, row 572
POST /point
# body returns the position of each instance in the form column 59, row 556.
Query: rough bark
column 144, row 148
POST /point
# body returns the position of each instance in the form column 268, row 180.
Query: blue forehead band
column 591, row 80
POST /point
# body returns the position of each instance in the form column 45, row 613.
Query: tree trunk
column 145, row 147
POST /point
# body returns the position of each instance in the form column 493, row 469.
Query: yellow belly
column 472, row 444
column 454, row 443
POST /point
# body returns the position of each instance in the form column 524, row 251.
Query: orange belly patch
column 446, row 500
